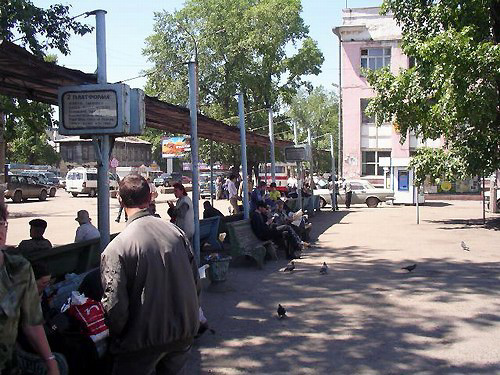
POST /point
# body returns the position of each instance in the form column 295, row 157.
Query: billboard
column 175, row 147
column 298, row 153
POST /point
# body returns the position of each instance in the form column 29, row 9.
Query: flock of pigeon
column 324, row 270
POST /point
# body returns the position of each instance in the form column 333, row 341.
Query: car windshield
column 368, row 185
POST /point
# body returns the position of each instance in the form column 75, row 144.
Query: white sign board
column 91, row 109
column 298, row 153
column 94, row 109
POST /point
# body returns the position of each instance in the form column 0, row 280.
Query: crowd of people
column 144, row 272
column 146, row 292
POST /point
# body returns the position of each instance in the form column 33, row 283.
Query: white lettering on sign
column 91, row 109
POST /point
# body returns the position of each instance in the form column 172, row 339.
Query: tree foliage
column 317, row 110
column 453, row 90
column 242, row 46
column 437, row 165
column 38, row 30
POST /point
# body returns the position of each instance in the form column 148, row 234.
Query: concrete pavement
column 366, row 316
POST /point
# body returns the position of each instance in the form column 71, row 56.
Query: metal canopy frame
column 23, row 75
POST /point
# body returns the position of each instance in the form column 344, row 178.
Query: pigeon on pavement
column 324, row 269
column 290, row 267
column 464, row 246
column 281, row 312
column 409, row 268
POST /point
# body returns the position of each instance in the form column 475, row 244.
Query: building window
column 69, row 151
column 370, row 162
column 365, row 119
column 375, row 58
column 85, row 153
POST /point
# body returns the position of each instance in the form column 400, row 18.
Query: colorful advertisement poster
column 174, row 147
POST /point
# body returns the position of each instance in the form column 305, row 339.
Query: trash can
column 218, row 268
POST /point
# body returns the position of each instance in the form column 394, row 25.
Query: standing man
column 150, row 281
column 86, row 230
column 233, row 194
column 257, row 195
column 348, row 193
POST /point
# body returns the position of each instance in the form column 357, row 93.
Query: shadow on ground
column 492, row 223
column 357, row 319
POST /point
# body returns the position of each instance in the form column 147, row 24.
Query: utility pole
column 3, row 166
column 299, row 169
column 309, row 141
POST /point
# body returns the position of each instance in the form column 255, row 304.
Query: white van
column 84, row 181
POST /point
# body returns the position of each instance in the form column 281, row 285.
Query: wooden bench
column 244, row 242
column 76, row 257
column 209, row 232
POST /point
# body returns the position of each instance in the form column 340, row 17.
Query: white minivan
column 84, row 181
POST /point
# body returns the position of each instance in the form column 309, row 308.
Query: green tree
column 241, row 47
column 317, row 110
column 453, row 90
column 38, row 30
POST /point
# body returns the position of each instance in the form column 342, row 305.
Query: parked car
column 46, row 178
column 84, row 181
column 168, row 179
column 20, row 188
column 362, row 192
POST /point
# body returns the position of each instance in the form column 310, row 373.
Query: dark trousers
column 120, row 214
column 153, row 361
column 348, row 197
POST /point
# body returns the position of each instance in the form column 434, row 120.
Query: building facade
column 128, row 151
column 372, row 41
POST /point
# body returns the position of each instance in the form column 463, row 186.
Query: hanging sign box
column 94, row 109
column 298, row 153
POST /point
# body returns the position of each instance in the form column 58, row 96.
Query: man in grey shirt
column 150, row 281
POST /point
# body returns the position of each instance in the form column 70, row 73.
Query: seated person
column 86, row 231
column 210, row 211
column 257, row 195
column 286, row 216
column 37, row 241
column 265, row 230
column 274, row 194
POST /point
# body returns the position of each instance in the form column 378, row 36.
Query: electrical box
column 137, row 112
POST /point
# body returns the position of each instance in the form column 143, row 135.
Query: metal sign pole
column 334, row 187
column 102, row 143
column 309, row 141
column 243, row 140
column 212, row 190
column 271, row 141
column 193, row 117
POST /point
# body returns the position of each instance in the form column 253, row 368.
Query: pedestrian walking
column 182, row 212
column 233, row 194
column 150, row 281
column 348, row 193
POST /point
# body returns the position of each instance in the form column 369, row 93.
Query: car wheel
column 92, row 193
column 372, row 202
column 322, row 202
column 43, row 195
column 74, row 194
column 53, row 192
column 18, row 197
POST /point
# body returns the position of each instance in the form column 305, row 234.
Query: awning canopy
column 24, row 75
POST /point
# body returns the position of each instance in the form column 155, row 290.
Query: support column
column 299, row 169
column 193, row 119
column 271, row 141
column 243, row 140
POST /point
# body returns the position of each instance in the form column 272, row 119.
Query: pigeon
column 281, row 312
column 289, row 267
column 324, row 269
column 464, row 246
column 409, row 268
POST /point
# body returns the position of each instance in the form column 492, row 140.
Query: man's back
column 33, row 245
column 149, row 276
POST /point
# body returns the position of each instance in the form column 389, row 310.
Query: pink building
column 368, row 40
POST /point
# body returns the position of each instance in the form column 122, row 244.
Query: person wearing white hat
column 86, row 231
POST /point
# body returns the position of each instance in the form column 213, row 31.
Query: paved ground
column 367, row 316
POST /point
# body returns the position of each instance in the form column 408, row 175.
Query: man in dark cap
column 37, row 241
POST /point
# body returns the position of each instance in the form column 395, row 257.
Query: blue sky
column 129, row 23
